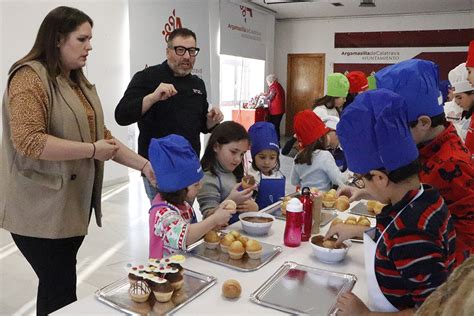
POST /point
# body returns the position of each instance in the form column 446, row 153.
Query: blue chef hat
column 416, row 81
column 374, row 134
column 263, row 136
column 175, row 163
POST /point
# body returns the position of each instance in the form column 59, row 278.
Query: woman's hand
column 149, row 173
column 105, row 149
column 349, row 304
column 240, row 196
column 247, row 206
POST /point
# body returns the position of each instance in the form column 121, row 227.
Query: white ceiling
column 324, row 8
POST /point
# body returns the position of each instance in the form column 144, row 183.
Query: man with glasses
column 167, row 99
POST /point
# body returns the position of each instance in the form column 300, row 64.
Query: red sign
column 174, row 22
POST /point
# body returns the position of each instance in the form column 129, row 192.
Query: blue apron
column 270, row 191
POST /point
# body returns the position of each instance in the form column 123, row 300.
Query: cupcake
column 235, row 233
column 176, row 279
column 248, row 181
column 364, row 221
column 162, row 289
column 134, row 273
column 254, row 249
column 236, row 250
column 378, row 207
column 175, row 261
column 371, row 205
column 226, row 241
column 139, row 291
column 329, row 198
column 337, row 220
column 211, row 240
column 243, row 240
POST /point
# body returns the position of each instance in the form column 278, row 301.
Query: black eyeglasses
column 181, row 50
column 358, row 181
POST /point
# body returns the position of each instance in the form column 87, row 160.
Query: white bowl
column 327, row 255
column 256, row 228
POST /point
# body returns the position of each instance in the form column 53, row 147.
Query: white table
column 212, row 302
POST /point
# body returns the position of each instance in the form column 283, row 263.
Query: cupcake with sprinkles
column 161, row 288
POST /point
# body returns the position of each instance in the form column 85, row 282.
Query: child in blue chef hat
column 445, row 161
column 172, row 221
column 410, row 252
column 266, row 164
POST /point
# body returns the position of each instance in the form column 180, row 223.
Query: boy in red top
column 446, row 162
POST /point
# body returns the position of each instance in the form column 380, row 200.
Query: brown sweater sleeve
column 28, row 108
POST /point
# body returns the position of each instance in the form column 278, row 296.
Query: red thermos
column 307, row 213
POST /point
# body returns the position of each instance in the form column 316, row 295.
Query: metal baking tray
column 116, row 295
column 327, row 215
column 299, row 289
column 244, row 264
column 361, row 209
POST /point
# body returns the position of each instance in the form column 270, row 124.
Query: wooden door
column 305, row 83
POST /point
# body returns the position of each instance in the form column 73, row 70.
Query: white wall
column 108, row 63
column 317, row 35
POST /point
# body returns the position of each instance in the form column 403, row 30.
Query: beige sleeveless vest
column 52, row 199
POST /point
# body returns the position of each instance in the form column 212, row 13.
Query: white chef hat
column 458, row 79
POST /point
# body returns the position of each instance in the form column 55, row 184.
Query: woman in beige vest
column 54, row 146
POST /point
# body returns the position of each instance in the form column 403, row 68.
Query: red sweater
column 446, row 165
column 276, row 96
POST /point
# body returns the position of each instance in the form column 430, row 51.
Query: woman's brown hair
column 58, row 24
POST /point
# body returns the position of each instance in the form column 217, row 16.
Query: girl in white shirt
column 314, row 166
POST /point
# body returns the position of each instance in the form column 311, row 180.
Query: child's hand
column 221, row 216
column 350, row 304
column 247, row 206
column 353, row 193
column 344, row 232
column 240, row 196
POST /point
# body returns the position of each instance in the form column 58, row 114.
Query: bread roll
column 364, row 221
column 351, row 220
column 231, row 288
column 247, row 182
column 229, row 205
column 342, row 203
column 378, row 208
column 371, row 204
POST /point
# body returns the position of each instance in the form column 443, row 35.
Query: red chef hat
column 357, row 81
column 470, row 55
column 308, row 127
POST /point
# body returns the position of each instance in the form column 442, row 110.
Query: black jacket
column 183, row 114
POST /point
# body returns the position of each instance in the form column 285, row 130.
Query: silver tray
column 327, row 214
column 299, row 289
column 116, row 295
column 245, row 264
column 361, row 209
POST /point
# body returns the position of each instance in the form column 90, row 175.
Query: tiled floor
column 123, row 238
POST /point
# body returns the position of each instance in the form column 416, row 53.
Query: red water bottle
column 307, row 213
column 294, row 221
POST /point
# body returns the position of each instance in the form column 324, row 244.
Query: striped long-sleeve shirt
column 416, row 253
